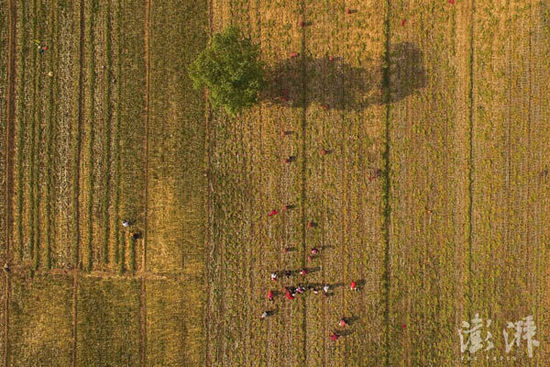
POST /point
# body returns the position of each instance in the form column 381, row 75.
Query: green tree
column 231, row 70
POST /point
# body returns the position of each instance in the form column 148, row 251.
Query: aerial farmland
column 384, row 202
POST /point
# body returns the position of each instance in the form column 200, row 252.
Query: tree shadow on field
column 335, row 84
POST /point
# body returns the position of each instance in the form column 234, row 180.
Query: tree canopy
column 231, row 70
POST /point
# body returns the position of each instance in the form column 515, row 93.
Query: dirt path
column 10, row 114
column 76, row 189
column 143, row 295
column 207, row 236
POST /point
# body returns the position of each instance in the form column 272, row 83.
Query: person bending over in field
column 270, row 296
column 288, row 294
column 266, row 314
column 334, row 336
column 274, row 277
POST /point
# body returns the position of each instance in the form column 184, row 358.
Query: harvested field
column 408, row 141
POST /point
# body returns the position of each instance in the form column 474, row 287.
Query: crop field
column 419, row 138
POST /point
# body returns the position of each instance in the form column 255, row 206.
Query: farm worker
column 342, row 322
column 274, row 277
column 285, row 250
column 300, row 290
column 270, row 295
column 42, row 49
column 288, row 295
column 353, row 286
column 334, row 336
column 303, row 272
column 273, row 212
column 326, row 289
column 288, row 273
column 294, row 54
column 324, row 152
column 266, row 314
column 311, row 224
column 309, row 258
column 285, row 132
column 314, row 251
column 6, row 268
column 126, row 223
column 289, row 159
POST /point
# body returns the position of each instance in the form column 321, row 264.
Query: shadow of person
column 335, row 84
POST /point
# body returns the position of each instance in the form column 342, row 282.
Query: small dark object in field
column 135, row 235
column 290, row 159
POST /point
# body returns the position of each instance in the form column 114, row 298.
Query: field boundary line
column 10, row 115
column 304, row 167
column 208, row 202
column 76, row 190
column 20, row 125
column 91, row 135
column 143, row 293
column 471, row 161
column 386, row 190
column 108, row 134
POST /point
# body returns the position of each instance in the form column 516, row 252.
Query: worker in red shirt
column 353, row 286
column 273, row 212
column 303, row 272
column 334, row 336
column 342, row 322
column 288, row 295
column 270, row 296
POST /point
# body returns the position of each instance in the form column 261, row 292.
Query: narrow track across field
column 143, row 294
column 8, row 154
column 76, row 190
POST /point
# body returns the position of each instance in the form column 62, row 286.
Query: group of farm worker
column 291, row 292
